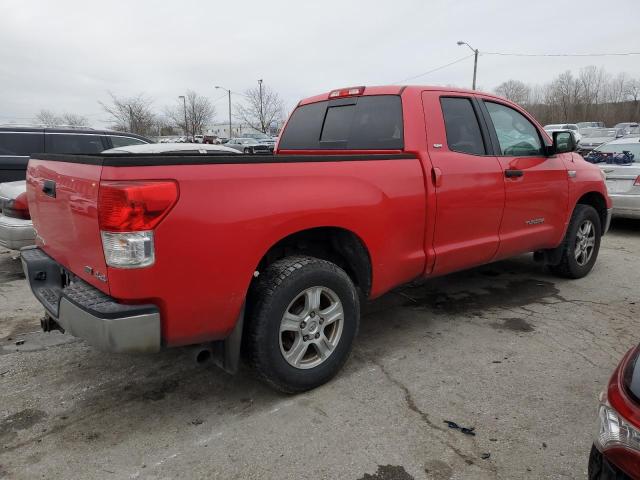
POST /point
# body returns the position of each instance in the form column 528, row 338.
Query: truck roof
column 395, row 90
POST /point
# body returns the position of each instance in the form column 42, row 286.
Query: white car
column 619, row 160
column 16, row 228
column 557, row 127
column 183, row 148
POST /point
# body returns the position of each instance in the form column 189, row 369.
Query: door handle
column 49, row 188
column 513, row 173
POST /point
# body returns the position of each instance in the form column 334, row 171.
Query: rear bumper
column 85, row 312
column 625, row 205
column 16, row 233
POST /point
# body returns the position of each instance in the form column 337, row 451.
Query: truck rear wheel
column 581, row 244
column 304, row 318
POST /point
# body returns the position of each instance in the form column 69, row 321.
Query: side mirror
column 563, row 142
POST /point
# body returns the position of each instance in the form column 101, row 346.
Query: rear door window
column 356, row 123
column 74, row 144
column 21, row 144
column 461, row 124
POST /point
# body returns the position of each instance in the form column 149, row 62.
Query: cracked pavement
column 507, row 348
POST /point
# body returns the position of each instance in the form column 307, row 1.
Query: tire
column 577, row 259
column 297, row 359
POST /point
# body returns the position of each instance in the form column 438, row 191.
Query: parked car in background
column 18, row 143
column 597, row 136
column 249, row 146
column 574, row 133
column 198, row 138
column 620, row 162
column 558, row 127
column 615, row 454
column 628, row 127
column 211, row 140
column 276, row 253
column 590, row 124
column 177, row 148
column 16, row 228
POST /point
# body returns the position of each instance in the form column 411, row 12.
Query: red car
column 615, row 454
column 274, row 254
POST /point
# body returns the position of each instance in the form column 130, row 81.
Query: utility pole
column 261, row 113
column 475, row 62
column 229, row 92
column 186, row 125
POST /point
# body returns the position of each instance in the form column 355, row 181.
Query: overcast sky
column 65, row 55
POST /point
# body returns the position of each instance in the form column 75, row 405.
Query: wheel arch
column 335, row 244
column 598, row 202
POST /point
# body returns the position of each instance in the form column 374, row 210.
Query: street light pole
column 229, row 92
column 261, row 114
column 475, row 62
column 186, row 126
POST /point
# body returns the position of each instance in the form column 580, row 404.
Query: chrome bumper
column 85, row 312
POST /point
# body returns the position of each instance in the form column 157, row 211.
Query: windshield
column 601, row 132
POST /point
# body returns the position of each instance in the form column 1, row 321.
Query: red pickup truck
column 272, row 256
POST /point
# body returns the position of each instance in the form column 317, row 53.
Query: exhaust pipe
column 202, row 354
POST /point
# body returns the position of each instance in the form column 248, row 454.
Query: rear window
column 358, row 123
column 73, row 144
column 21, row 144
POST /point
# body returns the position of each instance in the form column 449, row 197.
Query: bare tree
column 48, row 118
column 74, row 120
column 264, row 108
column 51, row 119
column 514, row 90
column 196, row 110
column 132, row 114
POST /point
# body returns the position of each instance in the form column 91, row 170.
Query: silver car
column 16, row 228
column 597, row 136
column 620, row 162
column 249, row 146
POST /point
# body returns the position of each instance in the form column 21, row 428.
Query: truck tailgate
column 63, row 200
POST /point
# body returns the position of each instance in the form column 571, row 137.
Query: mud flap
column 226, row 353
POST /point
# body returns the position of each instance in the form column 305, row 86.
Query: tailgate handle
column 49, row 188
column 513, row 173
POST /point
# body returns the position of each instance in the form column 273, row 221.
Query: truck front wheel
column 581, row 244
column 304, row 318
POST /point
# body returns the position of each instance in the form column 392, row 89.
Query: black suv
column 18, row 143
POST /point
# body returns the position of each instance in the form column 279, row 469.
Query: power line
column 508, row 54
column 435, row 69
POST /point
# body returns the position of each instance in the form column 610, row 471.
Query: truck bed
column 231, row 210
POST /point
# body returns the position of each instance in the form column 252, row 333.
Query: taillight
column 127, row 214
column 134, row 206
column 637, row 182
column 17, row 207
column 346, row 92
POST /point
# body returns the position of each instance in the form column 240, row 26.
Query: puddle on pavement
column 513, row 324
column 388, row 472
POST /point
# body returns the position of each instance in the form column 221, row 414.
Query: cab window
column 517, row 136
column 461, row 124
